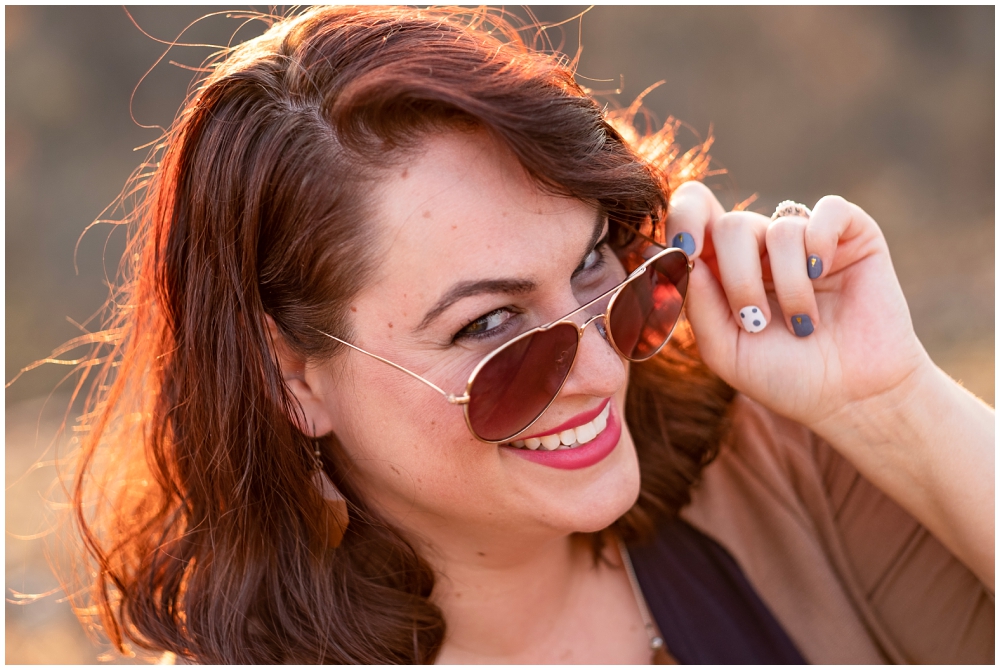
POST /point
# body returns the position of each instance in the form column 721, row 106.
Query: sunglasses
column 515, row 383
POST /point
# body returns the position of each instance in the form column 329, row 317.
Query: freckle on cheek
column 427, row 214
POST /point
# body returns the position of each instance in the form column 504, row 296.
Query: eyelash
column 488, row 334
column 502, row 328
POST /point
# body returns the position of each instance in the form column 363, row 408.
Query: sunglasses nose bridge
column 602, row 326
column 601, row 318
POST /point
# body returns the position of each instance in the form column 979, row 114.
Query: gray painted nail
column 684, row 241
column 802, row 325
column 814, row 266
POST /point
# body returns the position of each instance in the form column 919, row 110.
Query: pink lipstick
column 584, row 455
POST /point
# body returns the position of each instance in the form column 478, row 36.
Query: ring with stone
column 791, row 208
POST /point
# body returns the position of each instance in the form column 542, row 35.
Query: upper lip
column 578, row 420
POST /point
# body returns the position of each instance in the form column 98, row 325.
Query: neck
column 504, row 603
column 516, row 594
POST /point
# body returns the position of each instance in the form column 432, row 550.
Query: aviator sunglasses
column 515, row 383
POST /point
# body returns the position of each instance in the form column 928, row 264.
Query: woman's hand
column 832, row 346
column 814, row 345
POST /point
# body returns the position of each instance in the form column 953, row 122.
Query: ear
column 313, row 418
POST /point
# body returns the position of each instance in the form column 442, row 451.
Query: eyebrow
column 470, row 288
column 467, row 289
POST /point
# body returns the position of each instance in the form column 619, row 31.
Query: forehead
column 463, row 208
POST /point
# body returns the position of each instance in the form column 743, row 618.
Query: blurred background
column 891, row 107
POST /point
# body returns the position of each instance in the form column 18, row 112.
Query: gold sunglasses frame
column 616, row 290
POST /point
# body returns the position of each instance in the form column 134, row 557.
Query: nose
column 599, row 371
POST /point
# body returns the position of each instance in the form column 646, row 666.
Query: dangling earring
column 336, row 512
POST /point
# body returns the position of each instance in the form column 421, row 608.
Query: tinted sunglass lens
column 647, row 309
column 515, row 386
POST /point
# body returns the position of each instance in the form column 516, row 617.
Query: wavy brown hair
column 192, row 493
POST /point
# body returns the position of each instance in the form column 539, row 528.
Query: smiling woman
column 362, row 211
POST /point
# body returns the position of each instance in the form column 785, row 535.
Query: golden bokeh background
column 891, row 107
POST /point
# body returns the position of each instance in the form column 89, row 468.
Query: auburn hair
column 191, row 493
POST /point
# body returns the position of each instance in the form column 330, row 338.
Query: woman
column 386, row 260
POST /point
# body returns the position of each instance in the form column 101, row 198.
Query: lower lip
column 583, row 456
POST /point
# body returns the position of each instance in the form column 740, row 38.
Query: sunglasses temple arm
column 455, row 400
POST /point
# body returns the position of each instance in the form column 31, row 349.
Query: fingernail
column 802, row 325
column 685, row 242
column 753, row 319
column 814, row 265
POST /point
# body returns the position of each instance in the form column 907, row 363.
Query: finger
column 692, row 209
column 709, row 314
column 786, row 251
column 833, row 220
column 738, row 239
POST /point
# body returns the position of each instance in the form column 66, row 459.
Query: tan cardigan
column 851, row 576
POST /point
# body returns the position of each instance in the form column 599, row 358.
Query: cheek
column 406, row 444
column 413, row 458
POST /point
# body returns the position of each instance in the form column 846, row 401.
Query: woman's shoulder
column 850, row 575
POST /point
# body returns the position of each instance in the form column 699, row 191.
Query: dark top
column 705, row 608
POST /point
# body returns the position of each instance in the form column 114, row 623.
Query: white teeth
column 586, row 433
column 550, row 442
column 569, row 438
column 601, row 422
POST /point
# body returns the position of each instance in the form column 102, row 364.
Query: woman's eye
column 593, row 260
column 485, row 324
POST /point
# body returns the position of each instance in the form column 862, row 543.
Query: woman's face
column 463, row 227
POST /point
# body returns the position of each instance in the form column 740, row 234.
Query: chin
column 606, row 511
column 608, row 498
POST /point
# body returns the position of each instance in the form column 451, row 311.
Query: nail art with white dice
column 753, row 319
